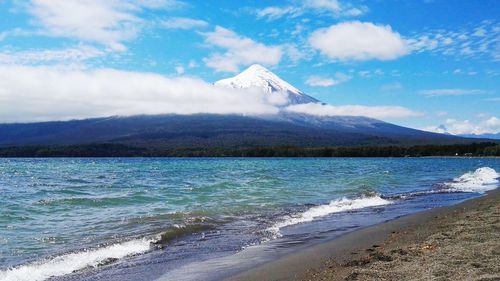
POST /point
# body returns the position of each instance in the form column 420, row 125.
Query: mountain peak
column 257, row 76
column 257, row 67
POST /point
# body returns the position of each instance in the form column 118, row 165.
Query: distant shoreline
column 481, row 149
column 430, row 244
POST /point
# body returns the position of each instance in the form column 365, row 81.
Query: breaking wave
column 68, row 263
column 94, row 257
column 481, row 180
column 335, row 206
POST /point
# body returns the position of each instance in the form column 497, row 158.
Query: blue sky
column 421, row 64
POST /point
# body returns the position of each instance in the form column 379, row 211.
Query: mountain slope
column 365, row 125
column 211, row 130
column 179, row 131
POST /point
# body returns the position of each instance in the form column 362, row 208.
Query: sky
column 426, row 64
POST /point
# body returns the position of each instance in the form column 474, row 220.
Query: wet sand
column 460, row 242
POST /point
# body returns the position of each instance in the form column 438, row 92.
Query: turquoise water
column 52, row 208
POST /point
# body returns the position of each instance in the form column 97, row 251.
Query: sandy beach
column 459, row 242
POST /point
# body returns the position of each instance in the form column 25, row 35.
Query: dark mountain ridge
column 211, row 130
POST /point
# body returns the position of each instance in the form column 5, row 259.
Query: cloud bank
column 379, row 112
column 60, row 93
column 490, row 125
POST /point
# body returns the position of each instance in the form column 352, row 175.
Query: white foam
column 68, row 263
column 335, row 206
column 481, row 180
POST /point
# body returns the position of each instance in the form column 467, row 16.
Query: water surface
column 154, row 218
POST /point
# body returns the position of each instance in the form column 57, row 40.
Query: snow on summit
column 257, row 76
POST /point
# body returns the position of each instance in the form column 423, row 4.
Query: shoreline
column 399, row 247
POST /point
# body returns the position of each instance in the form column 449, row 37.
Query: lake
column 182, row 218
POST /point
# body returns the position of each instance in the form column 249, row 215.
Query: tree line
column 120, row 150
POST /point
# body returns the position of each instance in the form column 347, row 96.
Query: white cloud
column 493, row 122
column 479, row 32
column 105, row 22
column 55, row 93
column 330, row 7
column 272, row 13
column 179, row 69
column 423, row 43
column 358, row 41
column 318, row 81
column 374, row 73
column 183, row 23
column 294, row 53
column 356, row 12
column 464, row 127
column 365, row 73
column 192, row 64
column 391, row 87
column 450, row 92
column 470, row 42
column 380, row 112
column 441, row 129
column 68, row 55
column 239, row 51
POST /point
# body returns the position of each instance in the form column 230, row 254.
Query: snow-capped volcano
column 257, row 76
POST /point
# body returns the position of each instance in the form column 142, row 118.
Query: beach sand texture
column 460, row 242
